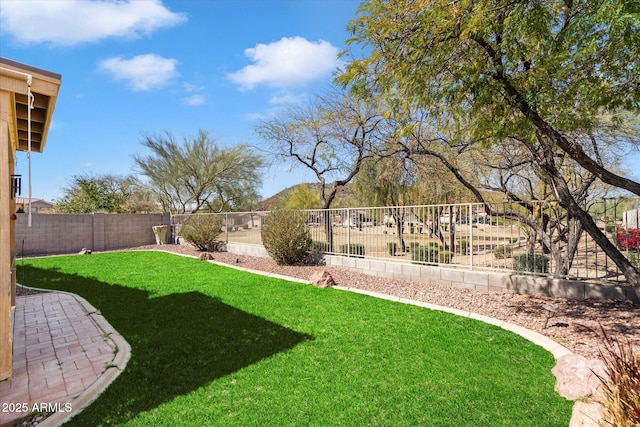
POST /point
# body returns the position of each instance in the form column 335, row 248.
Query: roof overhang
column 45, row 86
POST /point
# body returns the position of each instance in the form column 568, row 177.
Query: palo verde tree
column 496, row 69
column 197, row 174
column 331, row 137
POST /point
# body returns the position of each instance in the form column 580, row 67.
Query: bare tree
column 524, row 172
column 331, row 137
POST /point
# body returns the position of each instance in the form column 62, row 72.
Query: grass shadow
column 179, row 342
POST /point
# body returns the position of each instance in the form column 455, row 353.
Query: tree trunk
column 399, row 220
column 328, row 229
column 574, row 234
column 575, row 210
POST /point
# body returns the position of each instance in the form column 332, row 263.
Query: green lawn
column 215, row 346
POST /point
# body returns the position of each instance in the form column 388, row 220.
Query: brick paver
column 58, row 352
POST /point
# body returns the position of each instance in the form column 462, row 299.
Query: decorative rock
column 322, row 279
column 206, row 256
column 85, row 251
column 575, row 376
column 586, row 414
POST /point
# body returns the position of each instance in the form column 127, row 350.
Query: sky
column 139, row 67
column 134, row 67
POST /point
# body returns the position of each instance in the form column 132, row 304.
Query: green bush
column 202, row 231
column 353, row 249
column 463, row 247
column 318, row 247
column 413, row 245
column 286, row 237
column 444, row 257
column 392, row 247
column 633, row 259
column 531, row 263
column 434, row 246
column 420, row 254
column 502, row 251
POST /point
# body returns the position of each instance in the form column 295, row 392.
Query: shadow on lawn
column 179, row 342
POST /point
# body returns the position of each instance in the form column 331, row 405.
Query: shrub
column 353, row 249
column 621, row 393
column 629, row 239
column 434, row 246
column 318, row 247
column 286, row 237
column 316, row 254
column 531, row 263
column 502, row 251
column 427, row 253
column 444, row 257
column 392, row 247
column 202, row 231
column 463, row 247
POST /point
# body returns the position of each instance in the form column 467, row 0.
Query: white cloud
column 289, row 62
column 192, row 88
column 70, row 22
column 288, row 98
column 142, row 72
column 196, row 97
column 193, row 100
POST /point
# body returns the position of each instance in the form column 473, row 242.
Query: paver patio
column 64, row 354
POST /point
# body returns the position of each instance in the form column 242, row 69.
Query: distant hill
column 281, row 197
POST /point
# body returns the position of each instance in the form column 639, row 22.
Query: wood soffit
column 44, row 86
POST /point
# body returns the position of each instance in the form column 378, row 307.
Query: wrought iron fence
column 537, row 237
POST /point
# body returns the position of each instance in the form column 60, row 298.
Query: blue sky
column 146, row 66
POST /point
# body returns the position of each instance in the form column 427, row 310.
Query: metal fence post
column 470, row 244
column 348, row 231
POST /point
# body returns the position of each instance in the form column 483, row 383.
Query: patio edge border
column 91, row 393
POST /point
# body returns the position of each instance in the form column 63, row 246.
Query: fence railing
column 537, row 238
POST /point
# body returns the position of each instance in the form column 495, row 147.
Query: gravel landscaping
column 577, row 324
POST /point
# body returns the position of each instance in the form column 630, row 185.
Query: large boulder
column 322, row 279
column 576, row 376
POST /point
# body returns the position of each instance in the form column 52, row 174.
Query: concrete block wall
column 53, row 234
column 128, row 230
column 250, row 250
column 484, row 281
column 69, row 233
